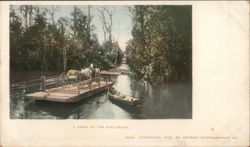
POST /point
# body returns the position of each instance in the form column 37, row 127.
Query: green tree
column 16, row 31
column 63, row 23
column 41, row 43
column 161, row 44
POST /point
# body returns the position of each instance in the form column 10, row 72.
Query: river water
column 160, row 101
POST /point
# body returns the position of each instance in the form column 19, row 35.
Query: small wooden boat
column 124, row 99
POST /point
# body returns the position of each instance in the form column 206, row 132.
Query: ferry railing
column 35, row 85
column 49, row 82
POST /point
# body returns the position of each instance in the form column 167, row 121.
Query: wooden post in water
column 23, row 91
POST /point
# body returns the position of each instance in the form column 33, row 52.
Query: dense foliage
column 39, row 42
column 161, row 47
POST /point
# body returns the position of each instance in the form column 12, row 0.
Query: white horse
column 86, row 73
column 91, row 66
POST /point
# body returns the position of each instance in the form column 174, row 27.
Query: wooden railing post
column 78, row 88
column 98, row 80
column 42, row 85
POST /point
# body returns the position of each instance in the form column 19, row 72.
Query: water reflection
column 172, row 100
column 161, row 101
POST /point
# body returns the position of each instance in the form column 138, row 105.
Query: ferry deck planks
column 70, row 93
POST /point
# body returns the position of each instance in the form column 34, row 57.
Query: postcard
column 123, row 73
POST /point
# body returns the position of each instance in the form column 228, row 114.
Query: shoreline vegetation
column 39, row 42
column 160, row 48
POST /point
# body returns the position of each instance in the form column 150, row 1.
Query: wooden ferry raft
column 70, row 93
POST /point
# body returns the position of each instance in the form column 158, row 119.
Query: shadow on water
column 78, row 110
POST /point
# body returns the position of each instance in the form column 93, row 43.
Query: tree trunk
column 89, row 21
column 30, row 15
